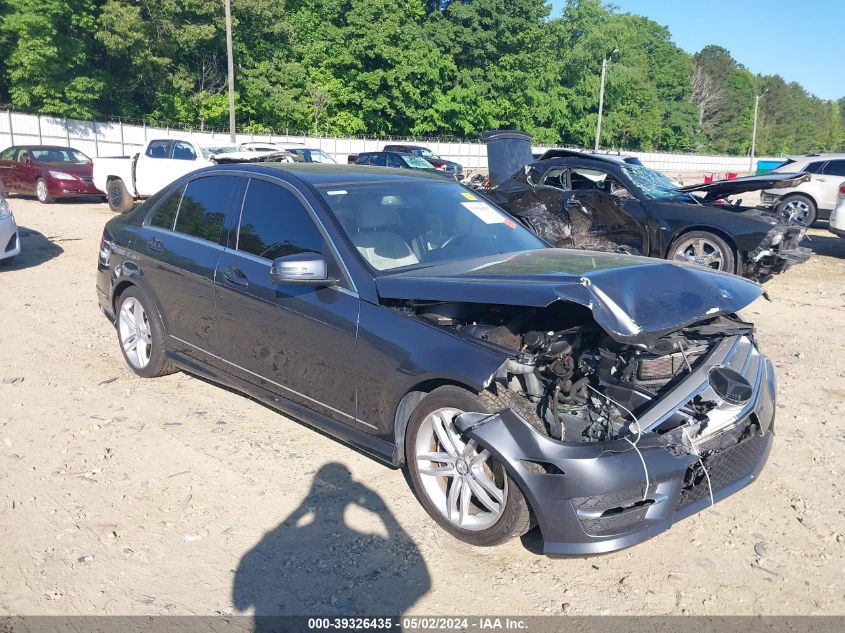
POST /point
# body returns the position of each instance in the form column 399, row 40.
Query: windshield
column 59, row 155
column 424, row 152
column 652, row 183
column 416, row 162
column 208, row 152
column 400, row 225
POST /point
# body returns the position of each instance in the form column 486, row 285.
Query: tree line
column 401, row 67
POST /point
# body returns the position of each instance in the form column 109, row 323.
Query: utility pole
column 757, row 98
column 601, row 94
column 231, row 70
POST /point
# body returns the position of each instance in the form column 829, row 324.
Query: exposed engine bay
column 571, row 380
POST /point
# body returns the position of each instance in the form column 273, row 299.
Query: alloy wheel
column 465, row 484
column 796, row 212
column 135, row 333
column 41, row 191
column 701, row 252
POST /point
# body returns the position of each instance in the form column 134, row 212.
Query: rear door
column 179, row 246
column 153, row 169
column 295, row 340
column 24, row 172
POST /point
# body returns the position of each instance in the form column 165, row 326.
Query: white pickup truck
column 128, row 178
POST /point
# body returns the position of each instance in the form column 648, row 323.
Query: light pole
column 757, row 98
column 231, row 69
column 601, row 93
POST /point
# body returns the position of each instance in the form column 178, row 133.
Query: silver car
column 811, row 200
column 10, row 243
column 837, row 218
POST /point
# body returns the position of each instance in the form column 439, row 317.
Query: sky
column 800, row 41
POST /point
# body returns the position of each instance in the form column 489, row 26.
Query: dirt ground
column 120, row 495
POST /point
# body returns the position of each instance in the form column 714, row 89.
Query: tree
column 49, row 62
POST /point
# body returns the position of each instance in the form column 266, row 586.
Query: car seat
column 383, row 249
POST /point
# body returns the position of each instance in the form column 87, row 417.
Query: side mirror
column 301, row 268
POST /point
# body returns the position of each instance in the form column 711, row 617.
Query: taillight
column 102, row 241
column 842, row 190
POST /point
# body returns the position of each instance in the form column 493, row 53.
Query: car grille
column 86, row 180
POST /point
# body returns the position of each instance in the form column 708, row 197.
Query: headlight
column 5, row 209
column 777, row 239
column 60, row 175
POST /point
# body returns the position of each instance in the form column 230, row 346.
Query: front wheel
column 118, row 196
column 459, row 483
column 41, row 192
column 704, row 249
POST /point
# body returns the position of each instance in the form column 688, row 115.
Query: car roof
column 617, row 159
column 44, row 147
column 814, row 158
column 323, row 174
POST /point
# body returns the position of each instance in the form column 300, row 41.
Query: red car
column 47, row 171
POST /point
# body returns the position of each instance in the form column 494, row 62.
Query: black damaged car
column 600, row 396
column 611, row 203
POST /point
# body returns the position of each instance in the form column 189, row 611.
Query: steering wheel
column 458, row 239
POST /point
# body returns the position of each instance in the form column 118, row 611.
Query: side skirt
column 374, row 447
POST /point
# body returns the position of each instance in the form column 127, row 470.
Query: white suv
column 811, row 200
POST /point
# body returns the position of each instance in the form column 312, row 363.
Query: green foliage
column 401, row 67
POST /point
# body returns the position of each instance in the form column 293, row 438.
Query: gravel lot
column 120, row 495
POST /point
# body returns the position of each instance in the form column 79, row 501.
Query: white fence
column 121, row 139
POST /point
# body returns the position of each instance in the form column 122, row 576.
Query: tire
column 147, row 356
column 704, row 249
column 798, row 209
column 478, row 524
column 118, row 196
column 42, row 193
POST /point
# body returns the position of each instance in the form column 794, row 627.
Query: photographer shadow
column 313, row 563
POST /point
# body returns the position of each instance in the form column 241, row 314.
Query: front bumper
column 592, row 498
column 767, row 260
column 77, row 188
column 10, row 240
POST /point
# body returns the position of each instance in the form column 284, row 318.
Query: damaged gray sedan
column 599, row 396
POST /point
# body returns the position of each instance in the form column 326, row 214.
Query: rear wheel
column 41, row 192
column 459, row 483
column 140, row 333
column 798, row 209
column 704, row 249
column 118, row 196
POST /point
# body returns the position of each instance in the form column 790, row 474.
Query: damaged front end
column 631, row 393
column 778, row 251
column 627, row 440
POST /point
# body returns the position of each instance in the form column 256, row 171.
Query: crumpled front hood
column 732, row 187
column 635, row 300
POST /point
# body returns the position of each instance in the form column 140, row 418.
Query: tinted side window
column 203, row 207
column 394, row 161
column 377, row 159
column 183, row 151
column 835, row 168
column 158, row 149
column 274, row 223
column 814, row 168
column 165, row 214
column 8, row 153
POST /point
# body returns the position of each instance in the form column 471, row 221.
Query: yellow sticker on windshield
column 468, row 195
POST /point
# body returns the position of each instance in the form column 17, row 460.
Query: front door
column 24, row 172
column 605, row 216
column 295, row 340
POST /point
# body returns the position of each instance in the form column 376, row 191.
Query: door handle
column 236, row 277
column 155, row 245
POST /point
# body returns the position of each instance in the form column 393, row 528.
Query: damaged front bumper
column 590, row 498
column 778, row 252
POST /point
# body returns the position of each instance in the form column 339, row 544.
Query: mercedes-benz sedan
column 600, row 396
